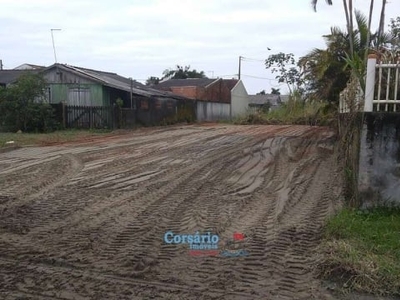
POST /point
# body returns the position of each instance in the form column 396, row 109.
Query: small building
column 82, row 87
column 203, row 89
column 216, row 98
column 86, row 87
column 29, row 67
column 264, row 101
column 10, row 76
column 91, row 96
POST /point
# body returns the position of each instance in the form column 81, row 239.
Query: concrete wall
column 240, row 100
column 212, row 111
column 379, row 164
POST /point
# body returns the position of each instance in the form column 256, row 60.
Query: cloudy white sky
column 138, row 38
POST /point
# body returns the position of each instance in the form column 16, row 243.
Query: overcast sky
column 142, row 38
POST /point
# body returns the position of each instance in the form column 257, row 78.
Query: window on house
column 79, row 97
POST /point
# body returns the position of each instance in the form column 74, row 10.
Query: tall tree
column 181, row 72
column 381, row 24
column 394, row 31
column 371, row 9
column 315, row 2
column 356, row 61
column 327, row 70
column 152, row 80
column 275, row 91
column 286, row 65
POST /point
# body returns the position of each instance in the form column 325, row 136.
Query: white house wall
column 240, row 100
column 212, row 111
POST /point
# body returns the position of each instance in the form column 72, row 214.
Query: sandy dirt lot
column 87, row 221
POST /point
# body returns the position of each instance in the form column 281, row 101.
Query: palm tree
column 348, row 8
column 325, row 69
column 381, row 23
column 371, row 9
column 314, row 3
column 328, row 70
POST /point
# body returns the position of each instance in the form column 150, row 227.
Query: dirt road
column 88, row 221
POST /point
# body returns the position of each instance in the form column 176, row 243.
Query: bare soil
column 87, row 220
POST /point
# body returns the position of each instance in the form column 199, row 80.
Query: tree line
column 323, row 73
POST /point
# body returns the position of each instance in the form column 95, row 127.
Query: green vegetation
column 43, row 139
column 179, row 72
column 362, row 250
column 23, row 107
column 314, row 113
column 184, row 115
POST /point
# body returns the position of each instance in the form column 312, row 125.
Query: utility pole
column 54, row 47
column 240, row 66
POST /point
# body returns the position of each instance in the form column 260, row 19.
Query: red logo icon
column 238, row 236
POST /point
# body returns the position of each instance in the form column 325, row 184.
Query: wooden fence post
column 370, row 83
column 64, row 115
column 90, row 117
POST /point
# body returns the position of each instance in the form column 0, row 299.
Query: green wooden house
column 86, row 87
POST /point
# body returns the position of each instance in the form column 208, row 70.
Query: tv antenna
column 52, row 38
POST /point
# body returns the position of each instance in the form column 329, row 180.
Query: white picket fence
column 382, row 86
column 382, row 92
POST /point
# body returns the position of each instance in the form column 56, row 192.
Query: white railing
column 382, row 86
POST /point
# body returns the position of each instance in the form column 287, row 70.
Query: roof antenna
column 54, row 47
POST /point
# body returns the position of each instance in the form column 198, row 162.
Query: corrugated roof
column 231, row 83
column 116, row 81
column 10, row 76
column 29, row 67
column 198, row 82
column 262, row 99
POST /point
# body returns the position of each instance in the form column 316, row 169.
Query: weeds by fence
column 295, row 112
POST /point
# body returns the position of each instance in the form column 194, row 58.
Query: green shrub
column 22, row 107
column 295, row 112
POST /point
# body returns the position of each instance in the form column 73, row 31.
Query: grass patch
column 42, row 139
column 362, row 251
column 296, row 113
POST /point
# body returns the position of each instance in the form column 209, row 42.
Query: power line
column 253, row 59
column 231, row 75
column 258, row 77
